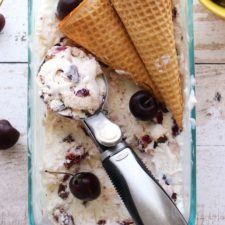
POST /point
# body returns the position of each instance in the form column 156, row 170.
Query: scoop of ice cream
column 71, row 82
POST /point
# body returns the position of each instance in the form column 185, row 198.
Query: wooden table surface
column 210, row 74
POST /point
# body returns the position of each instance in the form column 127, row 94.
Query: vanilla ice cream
column 71, row 82
column 158, row 142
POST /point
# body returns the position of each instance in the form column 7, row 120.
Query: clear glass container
column 36, row 131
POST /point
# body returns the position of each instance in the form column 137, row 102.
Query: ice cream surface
column 68, row 148
column 71, row 82
column 159, row 142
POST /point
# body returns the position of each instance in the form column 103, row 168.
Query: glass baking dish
column 36, row 137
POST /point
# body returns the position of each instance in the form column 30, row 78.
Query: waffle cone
column 150, row 27
column 95, row 26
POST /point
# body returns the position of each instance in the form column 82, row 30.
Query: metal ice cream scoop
column 145, row 199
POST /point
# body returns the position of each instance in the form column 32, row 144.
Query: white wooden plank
column 211, row 195
column 13, row 162
column 210, row 111
column 13, row 92
column 13, row 39
column 209, row 36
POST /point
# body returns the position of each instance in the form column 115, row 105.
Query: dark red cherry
column 143, row 105
column 8, row 135
column 85, row 186
column 65, row 7
column 2, row 22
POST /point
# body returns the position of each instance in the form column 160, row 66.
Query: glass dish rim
column 192, row 214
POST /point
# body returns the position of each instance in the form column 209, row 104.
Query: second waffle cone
column 150, row 27
column 95, row 26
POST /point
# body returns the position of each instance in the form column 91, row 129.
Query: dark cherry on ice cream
column 143, row 105
column 8, row 135
column 85, row 186
column 65, row 7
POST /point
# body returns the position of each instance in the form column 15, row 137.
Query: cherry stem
column 64, row 173
column 1, row 1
